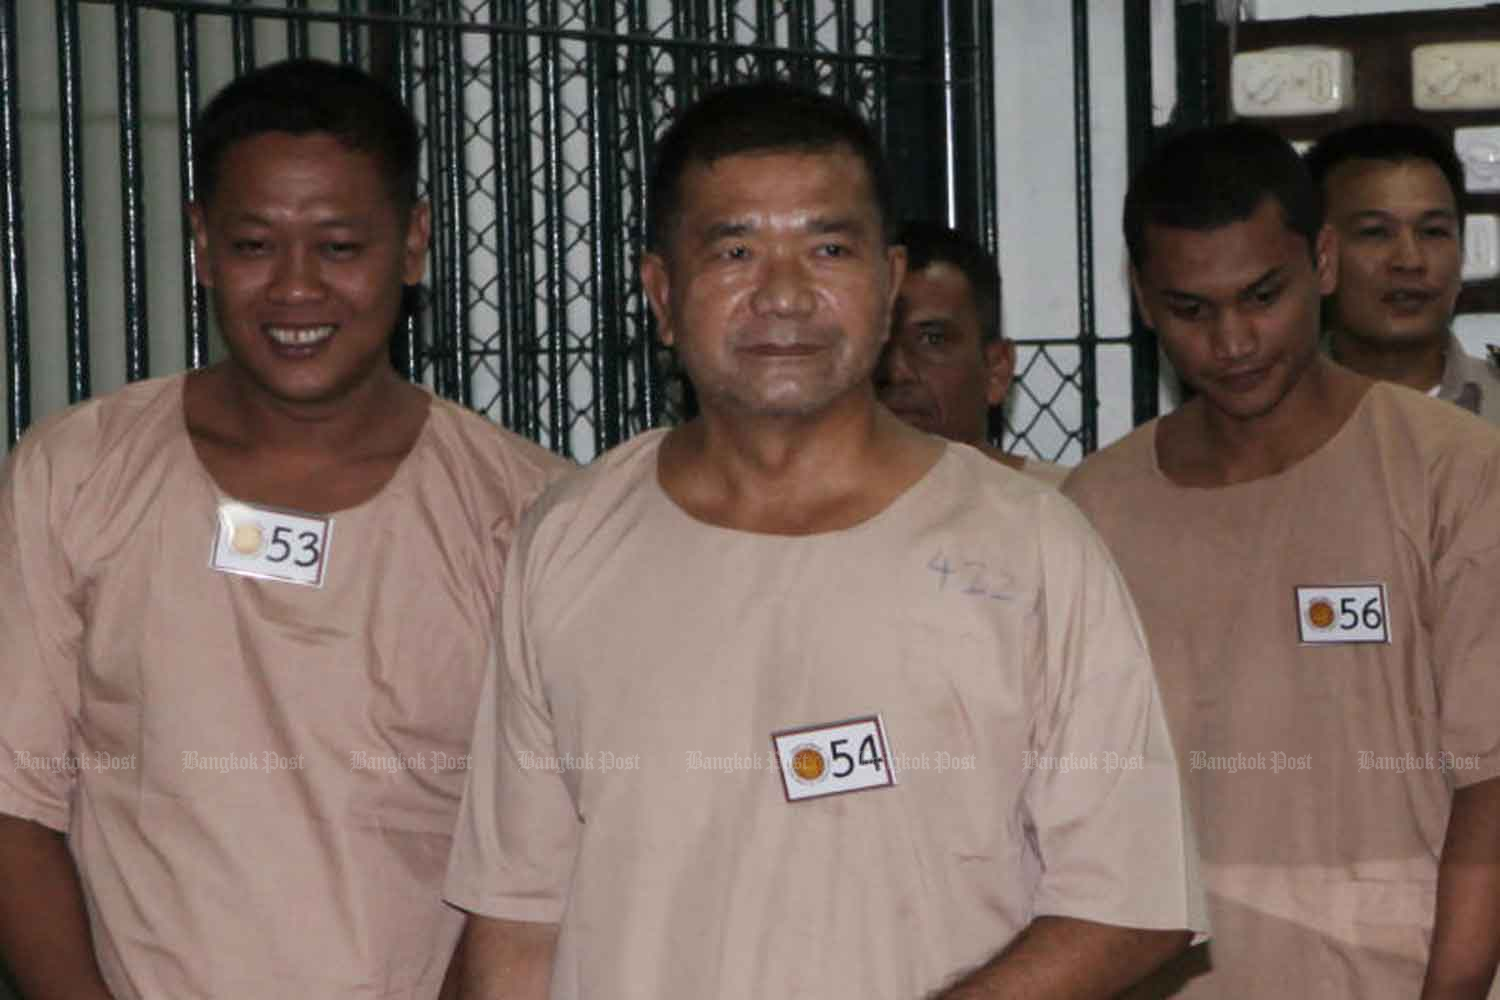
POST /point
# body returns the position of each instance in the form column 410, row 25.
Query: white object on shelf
column 1481, row 247
column 1479, row 149
column 1293, row 80
column 1456, row 76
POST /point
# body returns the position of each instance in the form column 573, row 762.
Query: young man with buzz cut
column 1316, row 557
column 244, row 611
column 915, row 652
column 1391, row 192
column 947, row 366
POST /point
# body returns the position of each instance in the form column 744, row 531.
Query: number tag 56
column 1343, row 614
column 271, row 544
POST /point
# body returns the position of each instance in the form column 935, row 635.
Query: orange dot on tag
column 808, row 763
column 1320, row 613
column 247, row 538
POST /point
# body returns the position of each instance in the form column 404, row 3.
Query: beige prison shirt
column 623, row 780
column 258, row 780
column 1316, row 771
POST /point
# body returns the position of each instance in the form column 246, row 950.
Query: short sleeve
column 1465, row 633
column 518, row 829
column 1103, row 795
column 40, row 639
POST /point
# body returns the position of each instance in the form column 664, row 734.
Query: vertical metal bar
column 1145, row 366
column 185, row 31
column 505, row 396
column 17, row 341
column 1082, row 167
column 557, row 319
column 439, row 353
column 802, row 35
column 406, row 348
column 985, row 138
column 75, row 252
column 518, row 229
column 242, row 35
column 645, row 359
column 296, row 31
column 847, row 73
column 606, row 315
column 765, row 35
column 456, row 214
column 1197, row 87
column 349, row 47
column 132, row 182
column 950, row 120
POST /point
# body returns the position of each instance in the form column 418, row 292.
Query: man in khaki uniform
column 1391, row 191
column 1316, row 558
column 947, row 366
column 244, row 612
column 794, row 700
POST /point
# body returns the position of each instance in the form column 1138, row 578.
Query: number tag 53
column 1343, row 614
column 271, row 544
column 847, row 756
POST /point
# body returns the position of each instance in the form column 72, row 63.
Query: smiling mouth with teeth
column 301, row 336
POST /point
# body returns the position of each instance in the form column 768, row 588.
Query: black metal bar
column 604, row 300
column 950, row 116
column 12, row 222
column 1197, row 86
column 296, row 30
column 1083, row 188
column 557, row 317
column 349, row 47
column 1145, row 366
column 645, row 363
column 1082, row 167
column 985, row 137
column 390, row 58
column 75, row 250
column 444, row 333
column 132, row 197
column 185, row 30
column 765, row 37
column 456, row 214
column 847, row 74
column 242, row 36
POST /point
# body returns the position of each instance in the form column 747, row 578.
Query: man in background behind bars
column 947, row 366
column 244, row 612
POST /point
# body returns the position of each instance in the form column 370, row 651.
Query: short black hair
column 1391, row 141
column 1206, row 178
column 929, row 243
column 761, row 117
column 301, row 96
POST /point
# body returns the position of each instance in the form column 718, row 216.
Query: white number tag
column 840, row 757
column 1343, row 614
column 271, row 544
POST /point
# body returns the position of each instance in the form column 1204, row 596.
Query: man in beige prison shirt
column 1316, row 557
column 795, row 700
column 244, row 612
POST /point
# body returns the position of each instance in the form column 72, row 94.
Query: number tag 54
column 1343, row 614
column 847, row 756
column 271, row 544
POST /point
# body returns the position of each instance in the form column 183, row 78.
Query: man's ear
column 199, row 227
column 414, row 253
column 656, row 280
column 895, row 260
column 1140, row 298
column 999, row 370
column 1326, row 260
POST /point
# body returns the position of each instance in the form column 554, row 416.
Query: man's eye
column 1186, row 310
column 1372, row 232
column 737, row 251
column 340, row 248
column 931, row 338
column 248, row 248
column 1438, row 233
column 833, row 250
column 1266, row 296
